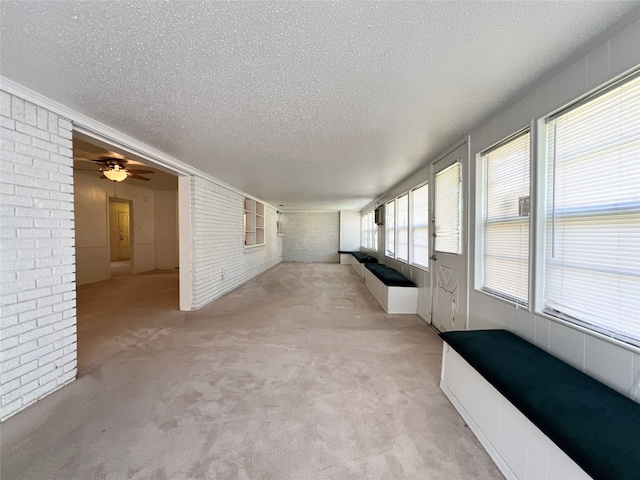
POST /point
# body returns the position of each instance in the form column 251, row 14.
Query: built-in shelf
column 253, row 222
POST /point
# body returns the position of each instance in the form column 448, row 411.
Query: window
column 448, row 209
column 402, row 227
column 420, row 226
column 592, row 213
column 253, row 222
column 505, row 219
column 365, row 231
column 390, row 228
column 369, row 231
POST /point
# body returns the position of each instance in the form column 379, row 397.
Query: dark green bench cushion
column 593, row 424
column 364, row 258
column 389, row 276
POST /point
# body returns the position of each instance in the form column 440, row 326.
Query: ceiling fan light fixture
column 115, row 175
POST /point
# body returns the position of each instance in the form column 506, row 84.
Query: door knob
column 432, row 257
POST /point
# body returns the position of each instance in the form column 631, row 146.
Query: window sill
column 251, row 247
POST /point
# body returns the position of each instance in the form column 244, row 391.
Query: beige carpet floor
column 298, row 374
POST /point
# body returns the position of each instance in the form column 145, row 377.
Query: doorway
column 120, row 236
column 449, row 259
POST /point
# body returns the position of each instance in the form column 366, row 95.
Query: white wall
column 614, row 364
column 350, row 230
column 92, row 226
column 37, row 298
column 218, row 259
column 166, row 224
column 310, row 236
column 421, row 277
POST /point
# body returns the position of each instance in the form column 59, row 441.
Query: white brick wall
column 37, row 285
column 219, row 261
column 310, row 236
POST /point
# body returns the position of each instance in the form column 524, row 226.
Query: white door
column 123, row 232
column 449, row 258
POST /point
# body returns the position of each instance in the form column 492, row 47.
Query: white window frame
column 541, row 221
column 481, row 199
column 412, row 227
column 390, row 208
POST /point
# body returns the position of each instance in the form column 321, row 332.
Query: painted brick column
column 37, row 290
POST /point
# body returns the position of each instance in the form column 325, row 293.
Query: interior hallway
column 298, row 374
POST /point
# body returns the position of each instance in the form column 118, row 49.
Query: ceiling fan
column 113, row 167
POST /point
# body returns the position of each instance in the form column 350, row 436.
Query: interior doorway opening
column 120, row 236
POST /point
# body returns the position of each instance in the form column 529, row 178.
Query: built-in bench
column 537, row 416
column 358, row 260
column 395, row 292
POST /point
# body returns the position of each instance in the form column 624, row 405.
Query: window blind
column 420, row 226
column 592, row 224
column 402, row 227
column 390, row 228
column 505, row 219
column 448, row 209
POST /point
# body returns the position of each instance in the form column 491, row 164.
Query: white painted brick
column 8, row 123
column 23, row 373
column 50, row 357
column 36, row 353
column 15, row 307
column 65, row 124
column 64, row 133
column 39, row 392
column 7, row 410
column 8, row 343
column 17, row 109
column 32, row 192
column 15, row 157
column 35, row 314
column 50, row 338
column 9, row 365
column 33, row 132
column 32, row 151
column 17, row 222
column 15, row 200
column 15, row 136
column 18, row 329
column 19, row 350
column 7, row 189
column 42, row 118
column 63, row 142
column 64, row 306
column 5, row 104
column 10, row 388
column 30, row 114
column 50, row 300
column 34, row 294
column 7, row 321
column 69, row 313
column 70, row 373
column 44, row 145
column 53, row 122
column 50, row 319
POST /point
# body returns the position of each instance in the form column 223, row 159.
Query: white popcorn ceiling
column 312, row 105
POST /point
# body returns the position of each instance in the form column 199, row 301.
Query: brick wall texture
column 37, row 289
column 219, row 260
column 310, row 236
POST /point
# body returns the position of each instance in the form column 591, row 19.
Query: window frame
column 412, row 226
column 480, row 194
column 540, row 227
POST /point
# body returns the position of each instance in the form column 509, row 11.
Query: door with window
column 449, row 258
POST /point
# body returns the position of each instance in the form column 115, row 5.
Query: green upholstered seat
column 593, row 424
column 389, row 276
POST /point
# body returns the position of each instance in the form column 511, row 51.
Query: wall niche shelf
column 253, row 222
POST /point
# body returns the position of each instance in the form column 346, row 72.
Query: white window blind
column 505, row 219
column 374, row 232
column 592, row 237
column 390, row 228
column 420, row 226
column 364, row 234
column 448, row 209
column 402, row 228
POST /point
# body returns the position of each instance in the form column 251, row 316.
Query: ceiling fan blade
column 140, row 171
column 138, row 177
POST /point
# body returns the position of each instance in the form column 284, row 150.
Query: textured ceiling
column 312, row 105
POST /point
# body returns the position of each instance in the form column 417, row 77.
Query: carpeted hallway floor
column 298, row 374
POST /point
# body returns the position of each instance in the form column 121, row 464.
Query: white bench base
column 393, row 299
column 517, row 446
column 358, row 267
